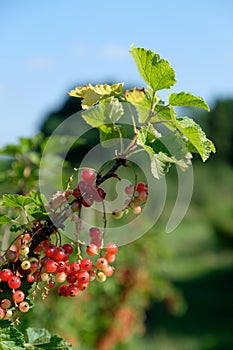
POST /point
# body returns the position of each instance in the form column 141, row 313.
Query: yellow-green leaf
column 91, row 95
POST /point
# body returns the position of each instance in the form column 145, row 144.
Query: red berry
column 99, row 195
column 109, row 271
column 97, row 241
column 111, row 248
column 63, row 290
column 82, row 286
column 5, row 303
column 94, row 232
column 59, row 254
column 51, row 284
column 142, row 196
column 87, row 201
column 68, row 248
column 18, row 296
column 74, row 267
column 92, row 249
column 2, row 313
column 61, row 265
column 14, row 282
column 141, row 187
column 83, row 277
column 34, row 266
column 30, row 278
column 50, row 250
column 86, row 264
column 24, row 306
column 88, row 175
column 110, row 257
column 51, row 266
column 71, row 279
column 102, row 264
column 72, row 290
column 76, row 192
column 5, row 274
column 39, row 248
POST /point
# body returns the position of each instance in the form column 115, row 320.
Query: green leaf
column 15, row 200
column 110, row 134
column 194, row 134
column 91, row 95
column 186, row 99
column 142, row 102
column 103, row 113
column 10, row 337
column 163, row 151
column 37, row 213
column 42, row 339
column 4, row 219
column 155, row 71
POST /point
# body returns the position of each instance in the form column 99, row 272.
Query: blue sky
column 47, row 47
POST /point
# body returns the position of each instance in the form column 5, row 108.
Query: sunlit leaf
column 103, row 113
column 15, row 200
column 194, row 134
column 90, row 94
column 186, row 99
column 155, row 71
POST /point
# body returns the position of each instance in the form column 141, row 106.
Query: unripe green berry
column 101, row 277
column 117, row 214
column 24, row 250
column 26, row 265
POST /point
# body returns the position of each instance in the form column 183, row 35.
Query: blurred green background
column 170, row 291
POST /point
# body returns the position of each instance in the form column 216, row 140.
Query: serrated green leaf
column 186, row 99
column 15, row 200
column 155, row 71
column 10, row 337
column 4, row 219
column 42, row 339
column 194, row 134
column 91, row 95
column 103, row 113
column 37, row 213
column 163, row 151
column 37, row 197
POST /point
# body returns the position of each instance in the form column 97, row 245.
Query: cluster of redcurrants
column 137, row 198
column 86, row 192
column 50, row 264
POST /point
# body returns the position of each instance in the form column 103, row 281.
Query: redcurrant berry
column 68, row 248
column 86, row 264
column 5, row 303
column 18, row 296
column 5, row 274
column 51, row 266
column 111, row 248
column 72, row 290
column 88, row 175
column 92, row 249
column 101, row 264
column 24, row 306
column 63, row 290
column 14, row 282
